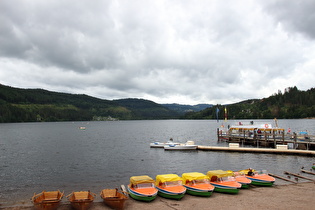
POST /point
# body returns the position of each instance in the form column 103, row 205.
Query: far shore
column 291, row 196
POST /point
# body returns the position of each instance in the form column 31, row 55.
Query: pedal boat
column 81, row 200
column 224, row 181
column 197, row 184
column 259, row 178
column 142, row 188
column 170, row 186
column 241, row 178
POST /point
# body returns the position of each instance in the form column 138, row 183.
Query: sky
column 167, row 51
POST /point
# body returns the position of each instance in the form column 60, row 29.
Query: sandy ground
column 293, row 196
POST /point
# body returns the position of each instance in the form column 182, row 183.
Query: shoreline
column 290, row 196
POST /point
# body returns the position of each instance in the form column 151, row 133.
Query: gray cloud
column 296, row 16
column 166, row 51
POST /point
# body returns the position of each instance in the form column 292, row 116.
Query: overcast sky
column 167, row 51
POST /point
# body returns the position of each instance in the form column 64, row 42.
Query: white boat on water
column 162, row 144
column 189, row 145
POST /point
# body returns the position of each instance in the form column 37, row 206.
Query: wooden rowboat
column 47, row 200
column 113, row 198
column 81, row 200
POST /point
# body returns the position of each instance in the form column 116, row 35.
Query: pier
column 266, row 136
column 233, row 147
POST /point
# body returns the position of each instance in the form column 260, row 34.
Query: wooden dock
column 269, row 138
column 235, row 148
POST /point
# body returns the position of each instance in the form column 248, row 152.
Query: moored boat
column 49, row 200
column 162, row 144
column 259, row 178
column 113, row 198
column 241, row 178
column 142, row 188
column 189, row 145
column 81, row 200
column 224, row 181
column 197, row 184
column 170, row 186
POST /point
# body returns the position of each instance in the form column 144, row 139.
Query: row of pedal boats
column 172, row 186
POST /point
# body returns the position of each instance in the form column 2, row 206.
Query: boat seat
column 50, row 196
column 81, row 195
column 109, row 193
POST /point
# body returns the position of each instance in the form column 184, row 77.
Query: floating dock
column 281, row 149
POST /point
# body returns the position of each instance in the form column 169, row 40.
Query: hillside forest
column 38, row 105
column 291, row 104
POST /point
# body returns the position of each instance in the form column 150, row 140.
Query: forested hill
column 292, row 104
column 30, row 105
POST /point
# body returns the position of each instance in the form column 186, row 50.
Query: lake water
column 58, row 155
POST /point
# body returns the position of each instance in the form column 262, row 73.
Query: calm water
column 51, row 156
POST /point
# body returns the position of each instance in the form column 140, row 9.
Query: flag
column 225, row 114
column 217, row 113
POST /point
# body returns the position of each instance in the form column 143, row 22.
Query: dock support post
column 218, row 134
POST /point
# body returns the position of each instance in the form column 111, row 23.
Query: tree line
column 38, row 105
column 291, row 104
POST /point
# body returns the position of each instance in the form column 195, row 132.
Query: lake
column 59, row 155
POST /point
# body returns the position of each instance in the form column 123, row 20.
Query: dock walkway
column 280, row 150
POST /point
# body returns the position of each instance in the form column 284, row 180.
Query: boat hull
column 198, row 192
column 245, row 182
column 180, row 147
column 170, row 195
column 81, row 200
column 113, row 198
column 47, row 206
column 81, row 205
column 245, row 186
column 161, row 145
column 261, row 180
column 223, row 189
column 141, row 196
column 231, row 187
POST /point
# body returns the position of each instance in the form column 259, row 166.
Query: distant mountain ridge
column 187, row 108
column 39, row 105
column 31, row 105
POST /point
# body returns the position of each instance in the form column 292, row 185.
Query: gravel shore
column 292, row 196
